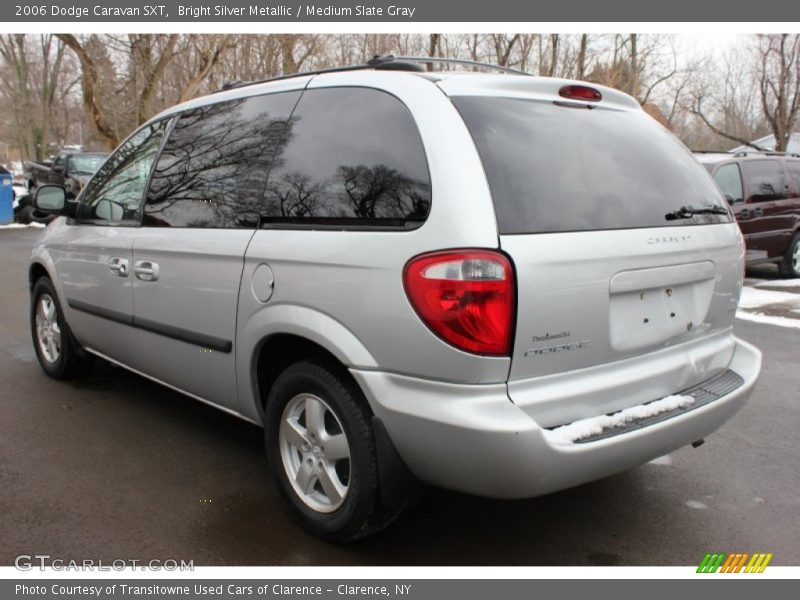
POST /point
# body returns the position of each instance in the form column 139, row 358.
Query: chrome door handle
column 146, row 270
column 118, row 266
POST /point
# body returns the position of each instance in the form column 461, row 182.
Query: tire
column 59, row 354
column 790, row 265
column 24, row 215
column 341, row 501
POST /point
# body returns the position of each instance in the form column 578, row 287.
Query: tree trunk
column 581, row 66
column 90, row 102
column 634, row 78
column 210, row 59
column 434, row 45
column 553, row 54
column 153, row 75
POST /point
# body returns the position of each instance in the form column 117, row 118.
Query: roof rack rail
column 232, row 85
column 388, row 59
column 387, row 62
column 742, row 153
column 711, row 152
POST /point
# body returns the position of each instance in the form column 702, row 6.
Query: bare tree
column 757, row 91
column 209, row 54
column 89, row 80
column 503, row 46
column 581, row 60
column 148, row 58
column 779, row 83
column 123, row 80
column 36, row 70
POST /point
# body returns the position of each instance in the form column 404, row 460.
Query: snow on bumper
column 473, row 439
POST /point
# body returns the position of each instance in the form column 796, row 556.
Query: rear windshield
column 553, row 167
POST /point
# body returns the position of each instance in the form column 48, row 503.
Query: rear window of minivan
column 553, row 167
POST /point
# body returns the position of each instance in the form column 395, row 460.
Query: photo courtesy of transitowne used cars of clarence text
column 494, row 283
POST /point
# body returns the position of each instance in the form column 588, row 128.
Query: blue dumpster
column 6, row 197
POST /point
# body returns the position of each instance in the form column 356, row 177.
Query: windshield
column 89, row 163
column 554, row 167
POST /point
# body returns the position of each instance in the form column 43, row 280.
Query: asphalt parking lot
column 116, row 467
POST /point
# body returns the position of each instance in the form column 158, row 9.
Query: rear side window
column 765, row 180
column 353, row 157
column 729, row 180
column 555, row 168
column 213, row 169
column 793, row 167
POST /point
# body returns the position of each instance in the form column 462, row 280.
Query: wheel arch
column 397, row 485
column 36, row 271
column 278, row 351
column 277, row 336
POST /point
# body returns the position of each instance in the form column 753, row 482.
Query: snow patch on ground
column 788, row 303
column 577, row 430
column 696, row 504
column 665, row 461
column 753, row 297
column 23, row 226
column 769, row 319
column 779, row 283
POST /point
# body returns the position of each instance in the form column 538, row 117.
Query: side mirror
column 730, row 199
column 50, row 199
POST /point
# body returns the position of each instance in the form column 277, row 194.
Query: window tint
column 214, row 166
column 353, row 156
column 60, row 161
column 729, row 180
column 558, row 168
column 115, row 193
column 86, row 163
column 765, row 180
column 793, row 167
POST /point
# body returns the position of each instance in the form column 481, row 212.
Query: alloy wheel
column 315, row 452
column 48, row 332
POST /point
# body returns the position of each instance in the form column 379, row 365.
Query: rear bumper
column 473, row 439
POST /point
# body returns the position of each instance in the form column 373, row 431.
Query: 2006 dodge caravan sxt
column 499, row 284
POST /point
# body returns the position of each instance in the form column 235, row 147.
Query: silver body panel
column 78, row 260
column 467, row 422
column 197, row 291
column 471, row 439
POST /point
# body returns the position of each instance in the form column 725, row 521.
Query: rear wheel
column 321, row 449
column 58, row 353
column 790, row 265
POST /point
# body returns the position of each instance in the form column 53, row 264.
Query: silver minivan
column 494, row 283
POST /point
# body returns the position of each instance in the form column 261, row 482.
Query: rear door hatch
column 625, row 251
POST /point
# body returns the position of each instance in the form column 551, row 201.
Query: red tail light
column 580, row 92
column 466, row 297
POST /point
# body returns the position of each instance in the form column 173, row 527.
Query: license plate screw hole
column 669, row 291
column 672, row 315
column 646, row 320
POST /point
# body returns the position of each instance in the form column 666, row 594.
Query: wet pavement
column 116, row 467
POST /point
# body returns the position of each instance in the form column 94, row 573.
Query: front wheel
column 790, row 265
column 56, row 349
column 321, row 449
